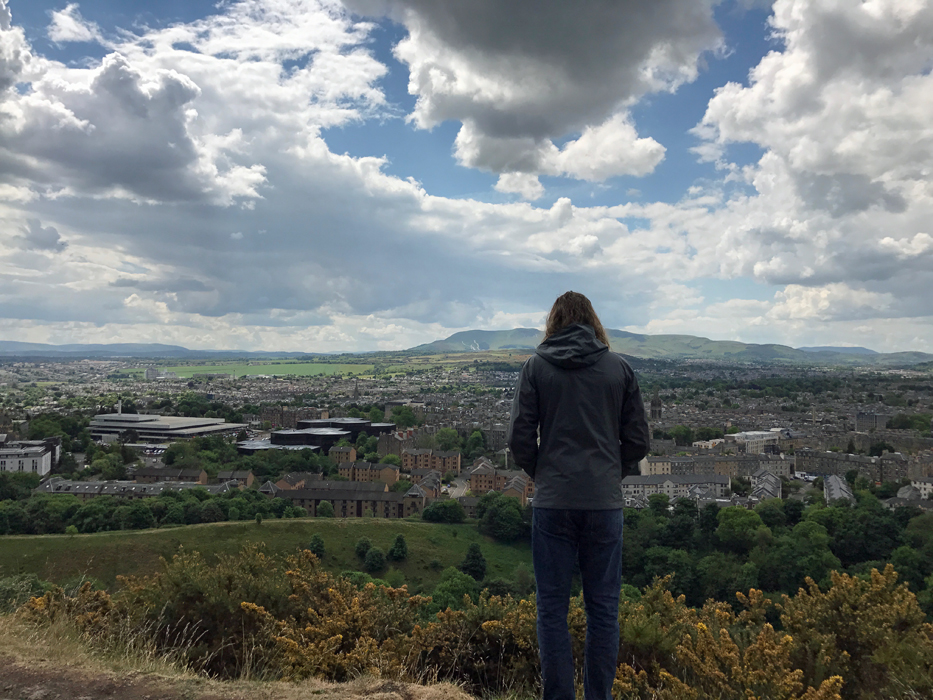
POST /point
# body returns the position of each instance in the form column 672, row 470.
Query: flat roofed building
column 756, row 441
column 151, row 427
column 31, row 457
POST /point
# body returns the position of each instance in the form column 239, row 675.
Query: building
column 673, row 485
column 367, row 471
column 891, row 466
column 430, row 459
column 357, row 499
column 835, row 489
column 870, row 421
column 416, row 459
column 395, row 442
column 765, row 484
column 756, row 442
column 297, row 480
column 151, row 427
column 85, row 490
column 924, row 486
column 243, row 478
column 657, row 408
column 28, row 456
column 487, row 477
column 342, row 454
column 154, row 475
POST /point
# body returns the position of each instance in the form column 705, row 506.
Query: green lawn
column 104, row 556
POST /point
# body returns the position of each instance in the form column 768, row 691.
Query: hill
column 854, row 350
column 105, row 555
column 678, row 347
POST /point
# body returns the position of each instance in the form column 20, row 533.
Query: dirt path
column 20, row 680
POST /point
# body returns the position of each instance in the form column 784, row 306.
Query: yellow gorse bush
column 291, row 619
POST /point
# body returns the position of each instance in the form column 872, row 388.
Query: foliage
column 474, row 564
column 251, row 613
column 316, row 546
column 325, row 509
column 394, row 460
column 363, row 545
column 399, row 549
column 375, row 560
column 444, row 511
column 500, row 517
column 403, row 416
column 447, row 440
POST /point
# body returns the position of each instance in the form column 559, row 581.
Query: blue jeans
column 558, row 539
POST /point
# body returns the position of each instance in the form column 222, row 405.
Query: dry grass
column 58, row 654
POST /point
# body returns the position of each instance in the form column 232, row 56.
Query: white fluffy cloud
column 68, row 25
column 520, row 74
column 243, row 228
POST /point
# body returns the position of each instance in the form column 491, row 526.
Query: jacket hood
column 573, row 347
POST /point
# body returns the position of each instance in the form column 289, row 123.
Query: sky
column 324, row 176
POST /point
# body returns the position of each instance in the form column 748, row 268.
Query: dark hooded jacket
column 585, row 402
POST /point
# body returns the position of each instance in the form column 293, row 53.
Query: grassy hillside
column 106, row 555
column 672, row 347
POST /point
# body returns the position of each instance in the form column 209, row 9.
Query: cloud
column 38, row 238
column 523, row 184
column 68, row 25
column 519, row 75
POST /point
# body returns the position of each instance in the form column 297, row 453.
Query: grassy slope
column 104, row 556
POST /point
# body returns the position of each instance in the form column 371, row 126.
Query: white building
column 33, row 457
column 755, row 442
column 924, row 485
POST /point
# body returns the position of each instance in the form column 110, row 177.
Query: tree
column 447, row 440
column 403, row 416
column 475, row 445
column 474, row 564
column 325, row 509
column 394, row 460
column 376, row 415
column 316, row 546
column 375, row 560
column 446, row 511
column 453, row 587
column 211, row 512
column 682, row 435
column 399, row 549
column 738, row 527
column 658, row 503
column 363, row 545
column 501, row 518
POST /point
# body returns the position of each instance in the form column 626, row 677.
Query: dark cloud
column 36, row 237
column 168, row 286
column 844, row 193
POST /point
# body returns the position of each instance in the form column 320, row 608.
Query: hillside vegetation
column 103, row 556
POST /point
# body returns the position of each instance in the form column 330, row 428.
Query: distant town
column 391, row 440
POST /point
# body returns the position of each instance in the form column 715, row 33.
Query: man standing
column 584, row 403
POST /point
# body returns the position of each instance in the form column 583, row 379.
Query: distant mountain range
column 680, row 347
column 660, row 347
column 12, row 348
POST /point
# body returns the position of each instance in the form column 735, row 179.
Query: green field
column 106, row 555
column 302, row 369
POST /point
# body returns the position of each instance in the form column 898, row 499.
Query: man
column 584, row 403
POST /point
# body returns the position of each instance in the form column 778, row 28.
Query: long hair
column 573, row 307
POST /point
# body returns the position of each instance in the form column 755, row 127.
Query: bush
column 474, row 564
column 325, row 509
column 316, row 546
column 363, row 545
column 446, row 511
column 399, row 549
column 375, row 560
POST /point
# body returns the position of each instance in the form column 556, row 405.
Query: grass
column 104, row 556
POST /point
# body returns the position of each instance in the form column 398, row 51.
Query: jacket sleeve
column 523, row 425
column 633, row 429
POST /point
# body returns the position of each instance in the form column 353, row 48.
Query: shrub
column 474, row 564
column 325, row 509
column 399, row 549
column 363, row 545
column 375, row 560
column 446, row 511
column 316, row 546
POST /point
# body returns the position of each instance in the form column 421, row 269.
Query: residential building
column 342, row 454
column 367, row 471
column 673, row 485
column 27, row 456
column 836, row 488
